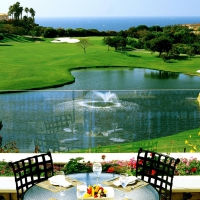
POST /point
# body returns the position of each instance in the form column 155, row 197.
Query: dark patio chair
column 158, row 170
column 31, row 170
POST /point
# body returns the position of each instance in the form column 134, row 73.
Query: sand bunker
column 65, row 39
column 198, row 71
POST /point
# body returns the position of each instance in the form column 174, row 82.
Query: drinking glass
column 97, row 169
column 81, row 190
column 60, row 178
column 124, row 179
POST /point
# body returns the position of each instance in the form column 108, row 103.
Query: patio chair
column 31, row 170
column 158, row 170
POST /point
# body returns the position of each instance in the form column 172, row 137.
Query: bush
column 1, row 36
column 50, row 33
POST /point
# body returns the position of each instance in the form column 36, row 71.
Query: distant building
column 3, row 16
column 195, row 27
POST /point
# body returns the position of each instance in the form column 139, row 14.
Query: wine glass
column 124, row 180
column 97, row 169
column 60, row 178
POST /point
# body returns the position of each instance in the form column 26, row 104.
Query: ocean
column 113, row 23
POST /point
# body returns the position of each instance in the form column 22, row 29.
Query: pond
column 130, row 79
column 102, row 107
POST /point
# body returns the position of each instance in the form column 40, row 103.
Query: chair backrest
column 31, row 170
column 158, row 170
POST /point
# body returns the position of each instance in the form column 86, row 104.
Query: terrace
column 180, row 185
column 90, row 123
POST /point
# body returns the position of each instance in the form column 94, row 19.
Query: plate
column 53, row 181
column 110, row 195
column 132, row 180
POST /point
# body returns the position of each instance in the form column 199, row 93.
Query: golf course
column 36, row 63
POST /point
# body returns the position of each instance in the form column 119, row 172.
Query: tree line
column 169, row 41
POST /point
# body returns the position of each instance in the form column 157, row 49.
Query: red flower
column 110, row 169
column 140, row 162
column 152, row 172
column 193, row 170
column 103, row 157
column 134, row 165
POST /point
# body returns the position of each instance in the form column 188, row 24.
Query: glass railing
column 97, row 121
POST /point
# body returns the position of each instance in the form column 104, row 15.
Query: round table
column 39, row 193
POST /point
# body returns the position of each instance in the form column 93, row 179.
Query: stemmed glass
column 124, row 180
column 60, row 178
column 97, row 169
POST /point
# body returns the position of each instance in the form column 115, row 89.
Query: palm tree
column 16, row 10
column 32, row 13
column 10, row 12
column 27, row 11
column 20, row 11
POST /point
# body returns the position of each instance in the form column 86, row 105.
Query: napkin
column 54, row 181
column 132, row 179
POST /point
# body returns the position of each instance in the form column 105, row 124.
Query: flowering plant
column 189, row 166
column 193, row 144
column 186, row 166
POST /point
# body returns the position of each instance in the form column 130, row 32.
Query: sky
column 107, row 8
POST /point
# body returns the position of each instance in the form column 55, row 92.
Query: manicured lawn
column 174, row 143
column 28, row 63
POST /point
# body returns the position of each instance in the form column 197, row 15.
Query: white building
column 4, row 16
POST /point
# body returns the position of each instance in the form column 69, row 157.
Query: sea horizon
column 113, row 23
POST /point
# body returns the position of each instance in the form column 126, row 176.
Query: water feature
column 73, row 119
column 130, row 79
column 98, row 99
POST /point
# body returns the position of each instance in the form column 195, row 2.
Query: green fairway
column 28, row 63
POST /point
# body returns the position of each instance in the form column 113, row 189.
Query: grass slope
column 173, row 143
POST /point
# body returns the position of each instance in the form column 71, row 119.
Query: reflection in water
column 56, row 120
column 159, row 74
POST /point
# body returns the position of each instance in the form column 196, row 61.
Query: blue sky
column 107, row 8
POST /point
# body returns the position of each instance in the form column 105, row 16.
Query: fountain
column 100, row 100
